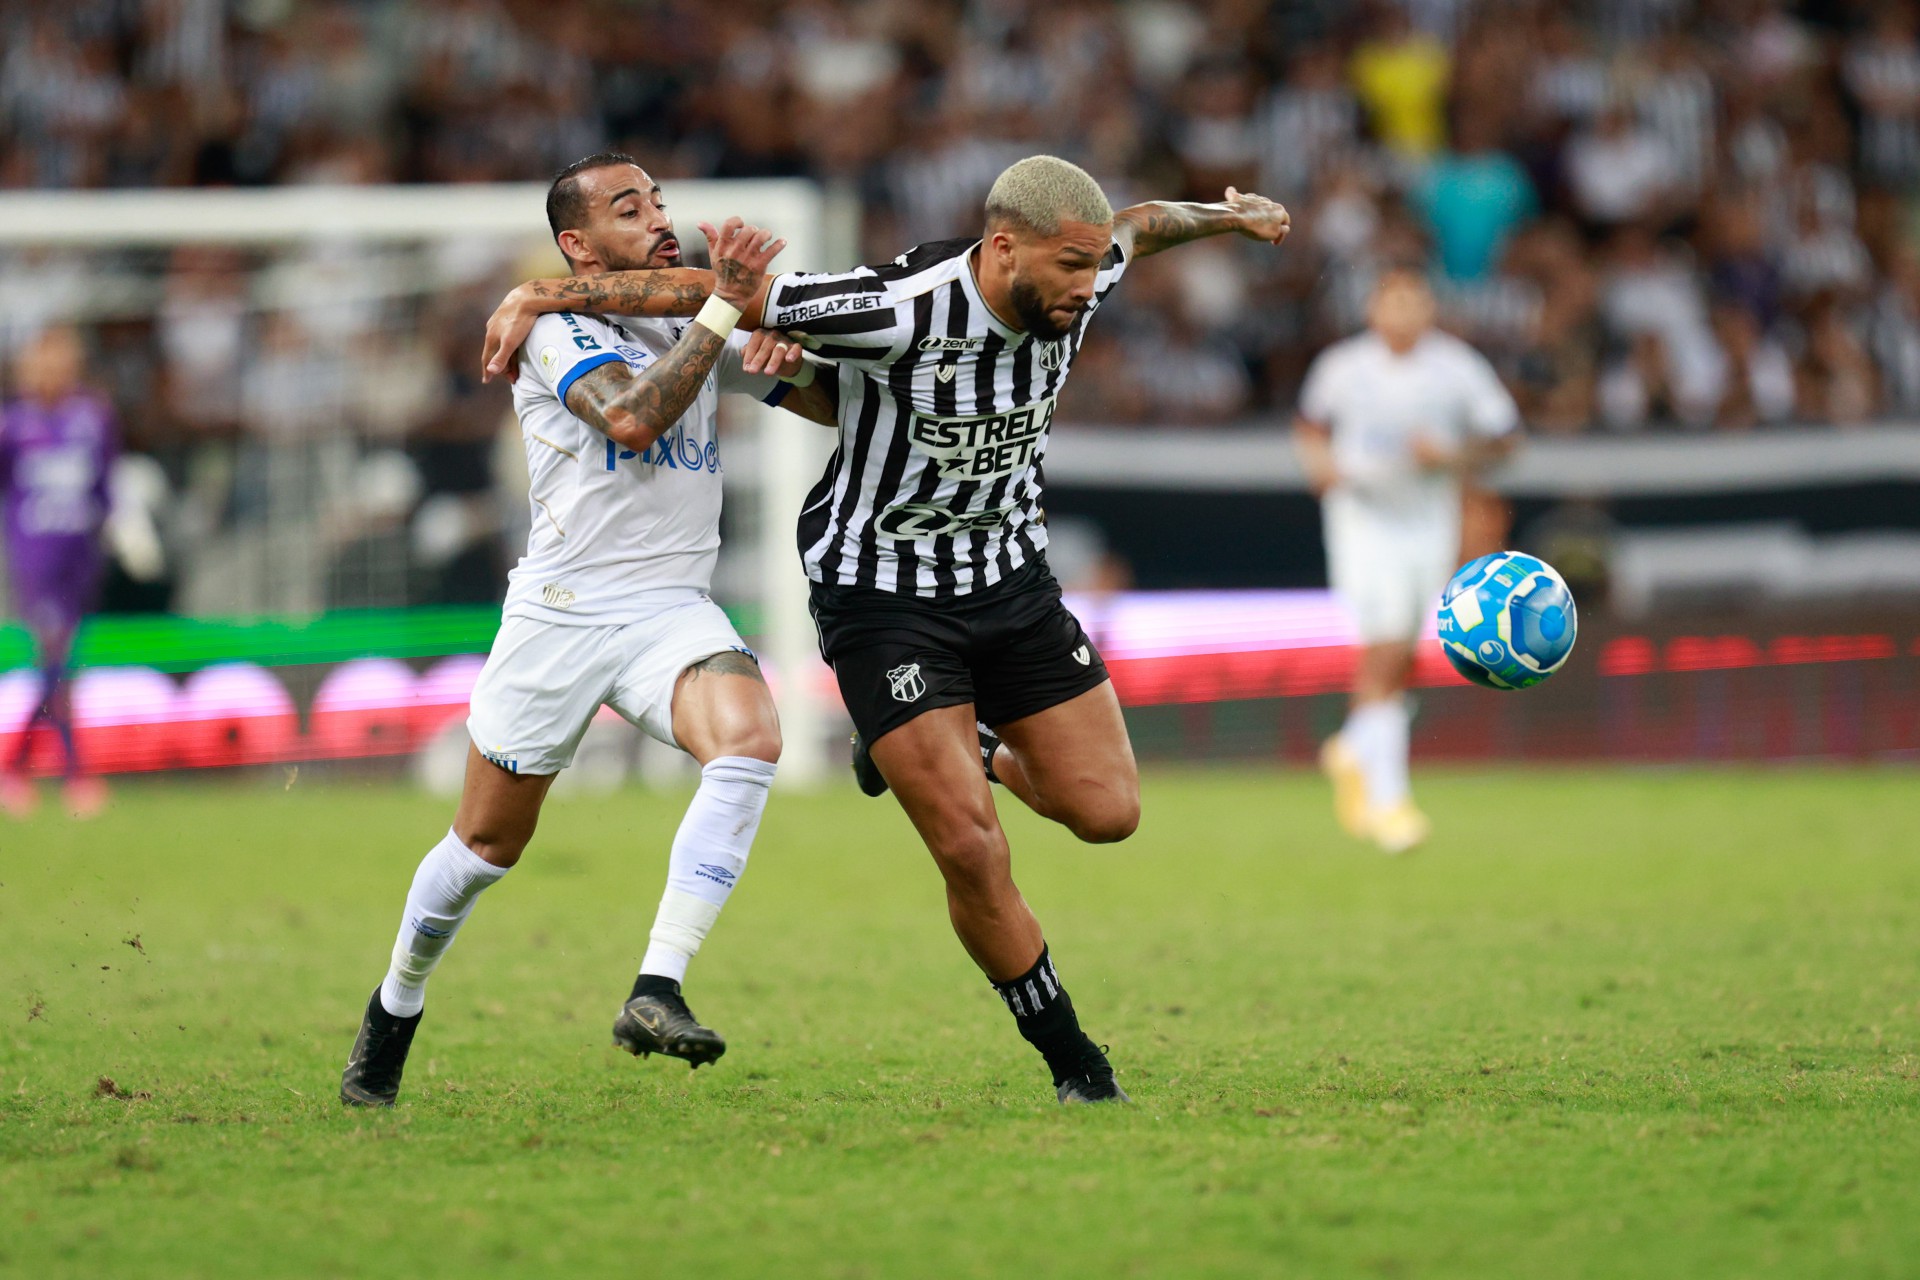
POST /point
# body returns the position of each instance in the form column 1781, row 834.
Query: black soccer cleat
column 1092, row 1081
column 865, row 771
column 662, row 1023
column 372, row 1077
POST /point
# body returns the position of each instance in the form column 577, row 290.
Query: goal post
column 771, row 463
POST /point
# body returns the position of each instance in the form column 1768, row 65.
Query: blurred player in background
column 1391, row 422
column 609, row 606
column 57, row 447
column 925, row 540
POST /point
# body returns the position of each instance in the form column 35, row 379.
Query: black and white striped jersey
column 935, row 487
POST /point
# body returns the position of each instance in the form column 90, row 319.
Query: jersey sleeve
column 1489, row 405
column 844, row 315
column 562, row 346
column 730, row 373
column 1318, row 394
column 1112, row 267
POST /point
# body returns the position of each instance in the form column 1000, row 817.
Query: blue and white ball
column 1507, row 621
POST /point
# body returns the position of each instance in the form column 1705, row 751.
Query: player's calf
column 724, row 717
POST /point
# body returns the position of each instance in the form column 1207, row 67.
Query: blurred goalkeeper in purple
column 58, row 442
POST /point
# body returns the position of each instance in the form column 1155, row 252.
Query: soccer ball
column 1507, row 621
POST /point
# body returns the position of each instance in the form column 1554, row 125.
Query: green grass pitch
column 1606, row 1024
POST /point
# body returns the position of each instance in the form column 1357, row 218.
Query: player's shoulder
column 1438, row 344
column 924, row 257
column 569, row 333
column 1348, row 352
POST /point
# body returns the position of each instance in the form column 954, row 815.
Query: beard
column 1031, row 308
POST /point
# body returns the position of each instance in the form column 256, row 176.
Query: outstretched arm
column 1148, row 228
column 665, row 291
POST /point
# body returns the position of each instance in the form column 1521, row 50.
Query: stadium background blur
column 1685, row 233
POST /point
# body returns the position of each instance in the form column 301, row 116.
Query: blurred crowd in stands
column 1652, row 214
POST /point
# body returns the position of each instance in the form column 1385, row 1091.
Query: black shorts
column 1010, row 649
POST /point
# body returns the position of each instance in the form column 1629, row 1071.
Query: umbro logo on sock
column 719, row 875
column 1082, row 655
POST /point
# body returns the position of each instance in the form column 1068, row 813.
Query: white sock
column 1376, row 733
column 709, row 854
column 450, row 878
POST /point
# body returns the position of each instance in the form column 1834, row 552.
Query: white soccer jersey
column 1377, row 403
column 935, row 488
column 616, row 534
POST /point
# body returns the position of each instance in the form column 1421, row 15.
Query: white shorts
column 1389, row 576
column 543, row 682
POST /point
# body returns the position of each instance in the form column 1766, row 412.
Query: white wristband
column 804, row 378
column 719, row 315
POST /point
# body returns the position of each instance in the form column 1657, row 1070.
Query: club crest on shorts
column 1083, row 655
column 906, row 683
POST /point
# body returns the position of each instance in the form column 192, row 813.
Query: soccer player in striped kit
column 57, row 447
column 925, row 540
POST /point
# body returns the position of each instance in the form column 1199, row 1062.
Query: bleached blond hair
column 1041, row 192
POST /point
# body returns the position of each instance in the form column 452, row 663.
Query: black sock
column 652, row 984
column 1044, row 1013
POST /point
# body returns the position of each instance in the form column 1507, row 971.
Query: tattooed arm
column 663, row 291
column 1161, row 224
column 635, row 409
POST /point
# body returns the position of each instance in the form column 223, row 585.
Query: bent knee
column 500, row 847
column 1110, row 821
column 1107, row 828
column 760, row 743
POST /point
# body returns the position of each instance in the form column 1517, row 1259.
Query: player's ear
column 574, row 246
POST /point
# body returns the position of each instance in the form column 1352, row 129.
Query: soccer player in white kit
column 609, row 606
column 1390, row 423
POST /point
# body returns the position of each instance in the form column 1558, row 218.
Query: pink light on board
column 236, row 713
column 442, row 692
column 363, row 708
column 124, row 718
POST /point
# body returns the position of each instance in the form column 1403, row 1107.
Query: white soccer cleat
column 1398, row 829
column 1343, row 769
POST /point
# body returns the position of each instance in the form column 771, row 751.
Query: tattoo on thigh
column 730, row 663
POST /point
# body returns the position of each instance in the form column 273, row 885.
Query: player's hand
column 773, row 354
column 507, row 329
column 1430, row 455
column 740, row 254
column 1258, row 218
